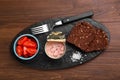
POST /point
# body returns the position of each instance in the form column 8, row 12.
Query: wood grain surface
column 15, row 15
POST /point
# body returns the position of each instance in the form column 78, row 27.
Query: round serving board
column 42, row 61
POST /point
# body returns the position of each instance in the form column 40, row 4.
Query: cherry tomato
column 19, row 50
column 26, row 47
column 25, row 53
column 22, row 40
column 30, row 43
column 31, row 51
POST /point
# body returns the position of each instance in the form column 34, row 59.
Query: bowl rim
column 15, row 43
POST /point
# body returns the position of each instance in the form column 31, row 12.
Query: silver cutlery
column 48, row 27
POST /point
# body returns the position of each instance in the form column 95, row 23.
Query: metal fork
column 44, row 28
column 48, row 27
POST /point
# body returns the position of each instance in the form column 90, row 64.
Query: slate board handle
column 87, row 14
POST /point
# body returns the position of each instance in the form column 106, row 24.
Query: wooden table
column 15, row 15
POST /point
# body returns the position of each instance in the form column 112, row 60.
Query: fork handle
column 78, row 17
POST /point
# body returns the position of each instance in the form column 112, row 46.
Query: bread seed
column 86, row 36
column 97, row 33
column 106, row 38
column 86, row 43
column 97, row 41
column 98, row 48
column 81, row 30
column 88, row 27
column 83, row 37
column 79, row 45
column 87, row 49
column 98, row 30
column 103, row 32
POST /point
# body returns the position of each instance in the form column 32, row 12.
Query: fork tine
column 37, row 32
column 40, row 29
column 36, row 29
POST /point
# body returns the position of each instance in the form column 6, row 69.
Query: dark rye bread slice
column 100, row 41
column 87, row 37
column 80, row 36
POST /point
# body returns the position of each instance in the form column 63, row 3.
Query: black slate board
column 43, row 62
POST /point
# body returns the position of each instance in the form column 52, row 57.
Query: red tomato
column 30, row 43
column 22, row 40
column 31, row 51
column 25, row 53
column 26, row 47
column 19, row 50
